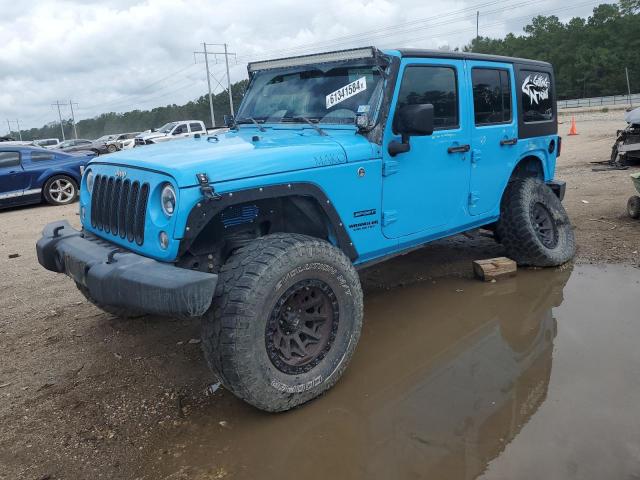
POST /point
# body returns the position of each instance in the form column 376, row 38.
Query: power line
column 226, row 55
column 406, row 26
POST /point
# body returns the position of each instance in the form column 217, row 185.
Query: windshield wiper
column 316, row 127
column 252, row 120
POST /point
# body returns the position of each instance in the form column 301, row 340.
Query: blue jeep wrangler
column 335, row 161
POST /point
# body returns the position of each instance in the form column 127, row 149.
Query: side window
column 9, row 159
column 195, row 127
column 537, row 96
column 41, row 156
column 180, row 129
column 491, row 96
column 435, row 85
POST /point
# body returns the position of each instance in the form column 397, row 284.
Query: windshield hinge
column 205, row 188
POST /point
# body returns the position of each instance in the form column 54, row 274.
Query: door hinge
column 389, row 167
column 473, row 198
column 476, row 155
column 388, row 217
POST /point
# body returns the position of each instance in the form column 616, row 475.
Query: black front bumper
column 120, row 278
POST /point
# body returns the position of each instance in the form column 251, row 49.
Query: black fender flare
column 208, row 208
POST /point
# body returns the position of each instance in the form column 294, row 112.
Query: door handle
column 459, row 149
column 508, row 141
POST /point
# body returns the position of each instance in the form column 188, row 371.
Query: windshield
column 328, row 93
column 166, row 128
column 104, row 138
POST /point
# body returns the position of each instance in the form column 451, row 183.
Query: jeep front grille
column 119, row 207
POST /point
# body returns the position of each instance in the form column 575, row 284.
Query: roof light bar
column 352, row 54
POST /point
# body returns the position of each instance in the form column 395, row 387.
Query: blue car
column 32, row 174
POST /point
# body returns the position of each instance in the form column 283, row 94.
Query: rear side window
column 41, row 156
column 9, row 159
column 435, row 85
column 491, row 96
column 537, row 96
column 195, row 127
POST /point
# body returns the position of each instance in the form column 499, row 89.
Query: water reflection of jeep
column 438, row 392
column 335, row 161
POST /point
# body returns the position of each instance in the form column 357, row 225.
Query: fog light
column 164, row 240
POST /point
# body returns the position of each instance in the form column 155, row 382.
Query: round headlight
column 168, row 200
column 89, row 179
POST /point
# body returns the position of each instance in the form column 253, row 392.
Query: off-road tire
column 251, row 285
column 633, row 206
column 517, row 228
column 46, row 193
column 119, row 312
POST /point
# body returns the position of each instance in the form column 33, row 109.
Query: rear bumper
column 558, row 187
column 120, row 278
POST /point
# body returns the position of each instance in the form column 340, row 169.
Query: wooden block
column 494, row 268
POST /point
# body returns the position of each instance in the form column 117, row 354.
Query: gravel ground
column 85, row 395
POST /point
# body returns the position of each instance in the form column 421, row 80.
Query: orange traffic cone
column 573, row 130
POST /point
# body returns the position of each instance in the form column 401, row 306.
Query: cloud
column 117, row 55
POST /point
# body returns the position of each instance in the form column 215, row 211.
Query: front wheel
column 285, row 320
column 111, row 148
column 534, row 226
column 60, row 190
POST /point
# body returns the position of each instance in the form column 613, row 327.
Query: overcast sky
column 117, row 55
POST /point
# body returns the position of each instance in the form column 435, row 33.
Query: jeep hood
column 246, row 153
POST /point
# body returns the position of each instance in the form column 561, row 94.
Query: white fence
column 634, row 99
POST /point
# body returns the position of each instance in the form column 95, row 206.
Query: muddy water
column 533, row 377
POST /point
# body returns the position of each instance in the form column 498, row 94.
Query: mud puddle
column 533, row 377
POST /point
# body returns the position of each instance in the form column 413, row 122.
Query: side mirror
column 228, row 121
column 411, row 120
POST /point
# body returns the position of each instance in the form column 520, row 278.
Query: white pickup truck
column 171, row 131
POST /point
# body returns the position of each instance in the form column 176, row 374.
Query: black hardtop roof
column 420, row 53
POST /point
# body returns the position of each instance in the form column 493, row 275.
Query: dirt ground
column 85, row 395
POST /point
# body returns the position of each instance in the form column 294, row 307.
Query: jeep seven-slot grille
column 119, row 207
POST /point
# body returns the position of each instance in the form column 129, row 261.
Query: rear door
column 425, row 188
column 196, row 127
column 494, row 132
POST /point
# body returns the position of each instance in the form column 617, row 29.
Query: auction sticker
column 348, row 91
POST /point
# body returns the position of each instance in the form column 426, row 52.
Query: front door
column 12, row 178
column 426, row 187
column 494, row 133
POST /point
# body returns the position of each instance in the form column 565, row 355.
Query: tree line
column 589, row 56
column 140, row 120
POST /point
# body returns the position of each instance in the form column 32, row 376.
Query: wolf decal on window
column 536, row 87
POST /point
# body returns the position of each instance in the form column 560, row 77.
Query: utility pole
column 58, row 104
column 73, row 119
column 226, row 54
column 477, row 27
column 626, row 70
column 9, row 125
column 206, row 62
column 226, row 61
column 19, row 131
